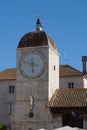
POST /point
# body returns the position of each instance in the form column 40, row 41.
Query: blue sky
column 65, row 21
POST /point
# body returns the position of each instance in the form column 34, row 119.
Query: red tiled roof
column 66, row 70
column 68, row 98
column 8, row 74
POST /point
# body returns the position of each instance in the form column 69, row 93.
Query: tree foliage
column 2, row 126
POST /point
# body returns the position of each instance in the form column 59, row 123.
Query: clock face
column 31, row 65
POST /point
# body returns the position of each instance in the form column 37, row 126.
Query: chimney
column 84, row 59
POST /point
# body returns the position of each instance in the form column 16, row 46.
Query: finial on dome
column 38, row 25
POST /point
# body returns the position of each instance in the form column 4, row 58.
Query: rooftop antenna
column 65, row 57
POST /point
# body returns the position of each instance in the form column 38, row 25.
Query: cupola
column 36, row 38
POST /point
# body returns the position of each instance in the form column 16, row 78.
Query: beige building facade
column 72, row 78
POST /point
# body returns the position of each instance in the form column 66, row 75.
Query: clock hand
column 26, row 62
column 36, row 65
column 32, row 70
column 32, row 64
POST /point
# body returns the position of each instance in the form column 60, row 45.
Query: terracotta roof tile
column 66, row 70
column 69, row 98
column 8, row 74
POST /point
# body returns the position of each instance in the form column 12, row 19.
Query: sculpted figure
column 31, row 103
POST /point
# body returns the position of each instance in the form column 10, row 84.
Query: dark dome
column 36, row 38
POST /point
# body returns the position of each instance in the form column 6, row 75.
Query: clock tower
column 37, row 77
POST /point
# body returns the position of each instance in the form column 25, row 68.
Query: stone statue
column 31, row 103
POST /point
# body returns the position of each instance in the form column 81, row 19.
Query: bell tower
column 37, row 78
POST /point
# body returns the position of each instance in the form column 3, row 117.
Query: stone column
column 84, row 59
column 85, row 122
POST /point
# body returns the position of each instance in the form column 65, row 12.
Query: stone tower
column 37, row 78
